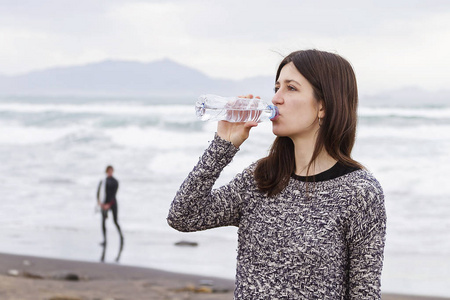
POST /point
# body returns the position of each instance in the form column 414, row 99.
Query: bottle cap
column 274, row 110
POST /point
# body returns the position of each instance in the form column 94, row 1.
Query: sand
column 35, row 278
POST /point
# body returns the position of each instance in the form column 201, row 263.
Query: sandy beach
column 36, row 278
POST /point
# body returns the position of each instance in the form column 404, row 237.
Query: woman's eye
column 288, row 87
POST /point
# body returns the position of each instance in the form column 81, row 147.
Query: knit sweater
column 324, row 241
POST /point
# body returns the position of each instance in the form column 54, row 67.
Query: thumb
column 248, row 126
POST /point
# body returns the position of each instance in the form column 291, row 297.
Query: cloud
column 390, row 43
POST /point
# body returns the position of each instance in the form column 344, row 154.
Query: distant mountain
column 407, row 97
column 118, row 78
column 166, row 78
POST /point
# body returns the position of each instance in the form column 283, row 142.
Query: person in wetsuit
column 106, row 192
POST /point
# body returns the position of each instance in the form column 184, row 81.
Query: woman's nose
column 277, row 99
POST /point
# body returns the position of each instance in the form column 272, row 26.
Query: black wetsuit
column 111, row 185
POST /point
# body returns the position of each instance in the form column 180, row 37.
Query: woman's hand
column 236, row 133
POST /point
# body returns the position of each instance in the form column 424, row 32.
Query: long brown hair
column 334, row 84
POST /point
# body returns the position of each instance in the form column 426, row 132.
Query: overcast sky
column 391, row 43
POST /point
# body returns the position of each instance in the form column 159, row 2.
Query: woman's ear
column 321, row 112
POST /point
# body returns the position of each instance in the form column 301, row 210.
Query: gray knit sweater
column 324, row 245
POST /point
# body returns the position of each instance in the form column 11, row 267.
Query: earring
column 320, row 124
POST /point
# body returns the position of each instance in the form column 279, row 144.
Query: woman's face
column 299, row 109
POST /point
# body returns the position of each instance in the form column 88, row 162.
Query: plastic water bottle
column 234, row 109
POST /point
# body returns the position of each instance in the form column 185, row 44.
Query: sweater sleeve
column 366, row 239
column 197, row 206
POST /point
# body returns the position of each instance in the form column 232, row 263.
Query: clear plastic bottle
column 234, row 109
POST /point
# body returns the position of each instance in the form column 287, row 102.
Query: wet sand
column 34, row 278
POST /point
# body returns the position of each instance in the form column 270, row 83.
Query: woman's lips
column 275, row 118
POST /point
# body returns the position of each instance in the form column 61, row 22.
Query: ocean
column 54, row 151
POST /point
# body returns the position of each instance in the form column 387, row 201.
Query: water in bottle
column 234, row 109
